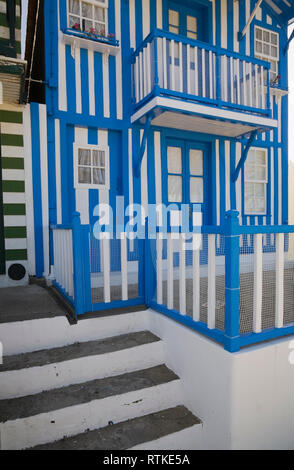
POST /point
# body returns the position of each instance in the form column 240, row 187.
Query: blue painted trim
column 232, row 281
column 267, row 335
column 200, row 327
column 244, row 155
column 78, row 265
column 138, row 160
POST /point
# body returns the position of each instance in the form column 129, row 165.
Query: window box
column 88, row 20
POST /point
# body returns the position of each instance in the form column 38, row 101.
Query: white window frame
column 79, row 185
column 97, row 3
column 267, row 57
column 257, row 181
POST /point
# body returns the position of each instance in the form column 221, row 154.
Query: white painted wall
column 244, row 399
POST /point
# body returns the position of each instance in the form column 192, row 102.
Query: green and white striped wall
column 13, row 187
column 4, row 28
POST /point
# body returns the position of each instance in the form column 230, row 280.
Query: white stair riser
column 186, row 439
column 39, row 429
column 47, row 333
column 34, row 380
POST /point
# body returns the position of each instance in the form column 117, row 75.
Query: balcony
column 215, row 91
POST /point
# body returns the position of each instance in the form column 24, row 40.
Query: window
column 91, row 167
column 256, row 181
column 174, row 21
column 175, row 177
column 188, row 22
column 88, row 16
column 267, row 48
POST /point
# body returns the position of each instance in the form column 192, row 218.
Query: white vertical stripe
column 280, row 192
column 238, row 182
column 124, row 268
column 106, row 268
column 82, row 195
column 132, row 24
column 62, row 92
column 157, row 164
column 105, row 74
column 159, row 270
column 228, row 174
column 146, row 17
column 280, row 119
column 247, row 36
column 58, row 172
column 29, row 192
column 224, row 28
column 44, row 183
column 196, row 277
column 257, row 299
column 144, row 177
column 217, row 183
column 279, row 280
column 213, row 23
column 211, row 283
column 118, row 60
column 170, row 272
column 236, row 25
column 91, row 83
column 78, row 80
column 159, row 23
column 272, row 160
column 182, row 280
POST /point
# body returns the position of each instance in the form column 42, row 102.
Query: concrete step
column 47, row 333
column 67, row 411
column 34, row 372
column 161, row 430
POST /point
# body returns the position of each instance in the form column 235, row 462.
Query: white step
column 46, row 333
column 32, row 373
column 51, row 415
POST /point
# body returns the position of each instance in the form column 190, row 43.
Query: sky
column 291, row 79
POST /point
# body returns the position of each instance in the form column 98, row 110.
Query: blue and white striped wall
column 89, row 101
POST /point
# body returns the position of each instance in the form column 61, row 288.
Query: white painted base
column 245, row 400
column 187, row 439
column 49, row 427
column 33, row 335
column 37, row 379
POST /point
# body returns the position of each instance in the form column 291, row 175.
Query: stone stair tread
column 128, row 434
column 76, row 351
column 59, row 398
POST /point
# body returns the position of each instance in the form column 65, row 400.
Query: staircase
column 100, row 384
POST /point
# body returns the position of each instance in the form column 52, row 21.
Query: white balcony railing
column 168, row 64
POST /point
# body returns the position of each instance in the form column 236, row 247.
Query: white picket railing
column 63, row 260
column 180, row 65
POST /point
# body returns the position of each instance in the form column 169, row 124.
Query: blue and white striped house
column 164, row 102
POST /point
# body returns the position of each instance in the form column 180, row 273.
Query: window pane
column 86, row 25
column 196, row 190
column 260, row 157
column 173, row 17
column 98, row 176
column 74, row 7
column 259, row 205
column 191, row 35
column 266, row 49
column 84, row 175
column 174, row 29
column 99, row 158
column 191, row 24
column 250, row 172
column 258, row 33
column 258, row 46
column 274, row 51
column 274, row 39
column 260, row 173
column 87, row 10
column 196, row 162
column 73, row 20
column 259, row 190
column 84, row 157
column 174, row 188
column 174, row 159
column 249, row 189
column 100, row 14
column 266, row 36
